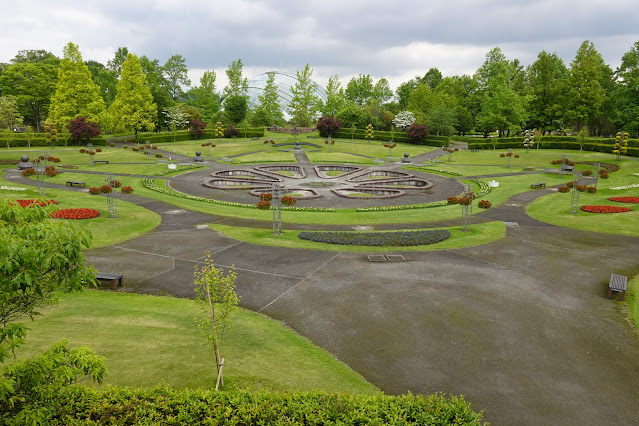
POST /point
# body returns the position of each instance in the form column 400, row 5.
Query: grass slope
column 150, row 340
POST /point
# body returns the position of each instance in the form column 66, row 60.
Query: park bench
column 618, row 283
column 311, row 137
column 100, row 161
column 538, row 185
column 115, row 280
column 567, row 168
column 76, row 183
column 255, row 138
column 474, row 150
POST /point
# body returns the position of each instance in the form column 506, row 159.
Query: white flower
column 619, row 188
column 12, row 188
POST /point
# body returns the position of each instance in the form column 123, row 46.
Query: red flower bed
column 604, row 209
column 625, row 199
column 31, row 202
column 75, row 214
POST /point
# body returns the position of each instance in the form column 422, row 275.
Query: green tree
column 175, row 74
column 32, row 85
column 627, row 99
column 205, row 97
column 432, row 78
column 465, row 120
column 586, row 94
column 303, row 102
column 237, row 85
column 176, row 118
column 269, row 102
column 115, row 64
column 235, row 108
column 359, row 89
column 75, row 94
column 382, row 91
column 442, row 120
column 335, row 98
column 39, row 259
column 157, row 84
column 404, row 91
column 105, row 78
column 215, row 293
column 37, row 56
column 352, row 116
column 547, row 83
column 9, row 113
column 133, row 108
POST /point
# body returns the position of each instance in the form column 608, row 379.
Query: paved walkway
column 520, row 326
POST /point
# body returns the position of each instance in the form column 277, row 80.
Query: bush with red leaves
column 75, row 214
column 603, row 174
column 115, row 183
column 484, row 204
column 287, row 200
column 586, row 173
column 126, row 190
column 625, row 199
column 98, row 150
column 502, row 155
column 28, row 172
column 563, row 189
column 604, row 209
column 105, row 189
column 95, row 190
column 263, row 205
column 266, row 196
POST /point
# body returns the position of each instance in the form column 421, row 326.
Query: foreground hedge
column 126, row 406
column 38, row 139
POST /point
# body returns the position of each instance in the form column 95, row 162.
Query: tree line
column 132, row 93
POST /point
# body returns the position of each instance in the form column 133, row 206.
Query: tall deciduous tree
column 133, row 108
column 335, row 98
column 235, row 108
column 115, row 64
column 32, row 85
column 75, row 94
column 547, row 83
column 304, row 102
column 382, row 91
column 9, row 113
column 432, row 78
column 205, row 97
column 176, row 75
column 359, row 89
column 586, row 94
column 157, row 84
column 237, row 85
column 627, row 100
column 269, row 102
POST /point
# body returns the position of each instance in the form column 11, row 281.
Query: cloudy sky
column 393, row 39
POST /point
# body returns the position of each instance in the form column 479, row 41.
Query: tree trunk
column 215, row 345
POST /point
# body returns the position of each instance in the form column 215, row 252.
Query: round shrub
column 28, row 172
column 125, row 146
column 126, row 190
column 591, row 190
column 263, row 205
column 288, row 200
column 159, row 155
column 95, row 190
column 516, row 155
column 603, row 174
column 266, row 196
column 502, row 155
column 98, row 150
column 484, row 204
column 564, row 189
column 115, row 183
column 105, row 189
column 586, row 173
column 83, row 151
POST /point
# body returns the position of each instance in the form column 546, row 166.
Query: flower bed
column 75, row 214
column 12, row 188
column 378, row 239
column 604, row 209
column 31, row 202
column 625, row 199
column 403, row 207
column 620, row 188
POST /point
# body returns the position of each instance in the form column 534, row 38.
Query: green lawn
column 150, row 340
column 632, row 301
column 478, row 234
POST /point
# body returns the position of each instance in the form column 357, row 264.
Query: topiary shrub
column 288, row 200
column 564, row 189
column 126, row 190
column 264, row 205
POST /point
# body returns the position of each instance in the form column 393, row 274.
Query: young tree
column 115, row 64
column 403, row 120
column 627, row 99
column 215, row 293
column 176, row 75
column 269, row 102
column 80, row 128
column 157, row 84
column 205, row 97
column 303, row 102
column 359, row 89
column 75, row 94
column 39, row 260
column 236, row 108
column 238, row 85
column 176, row 118
column 328, row 126
column 133, row 108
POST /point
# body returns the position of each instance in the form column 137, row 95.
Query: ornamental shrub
column 83, row 151
column 159, row 155
column 50, row 171
column 95, row 190
column 516, row 155
column 502, row 155
column 28, row 172
column 581, row 188
column 586, row 173
column 266, row 196
column 91, row 152
column 287, row 200
column 264, row 205
column 603, row 174
column 105, row 189
column 564, row 189
column 484, row 204
column 591, row 190
column 98, row 150
column 509, row 154
column 115, row 183
column 570, row 184
column 126, row 190
column 418, row 133
column 125, row 146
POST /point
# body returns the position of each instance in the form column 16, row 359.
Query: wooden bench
column 618, row 283
column 255, row 138
column 76, row 183
column 100, row 161
column 538, row 185
column 115, row 280
column 567, row 168
column 474, row 150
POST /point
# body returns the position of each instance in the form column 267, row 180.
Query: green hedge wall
column 127, row 406
column 185, row 135
column 387, row 136
column 593, row 144
column 634, row 143
column 38, row 139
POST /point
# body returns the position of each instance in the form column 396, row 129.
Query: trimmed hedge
column 379, row 135
column 38, row 139
column 378, row 239
column 185, row 135
column 127, row 406
column 504, row 143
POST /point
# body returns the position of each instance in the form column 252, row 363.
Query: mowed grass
column 149, row 340
column 478, row 234
column 632, row 301
column 132, row 220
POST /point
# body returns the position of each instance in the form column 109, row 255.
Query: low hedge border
column 179, row 169
column 378, row 239
column 150, row 184
column 80, row 405
column 403, row 207
column 428, row 168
